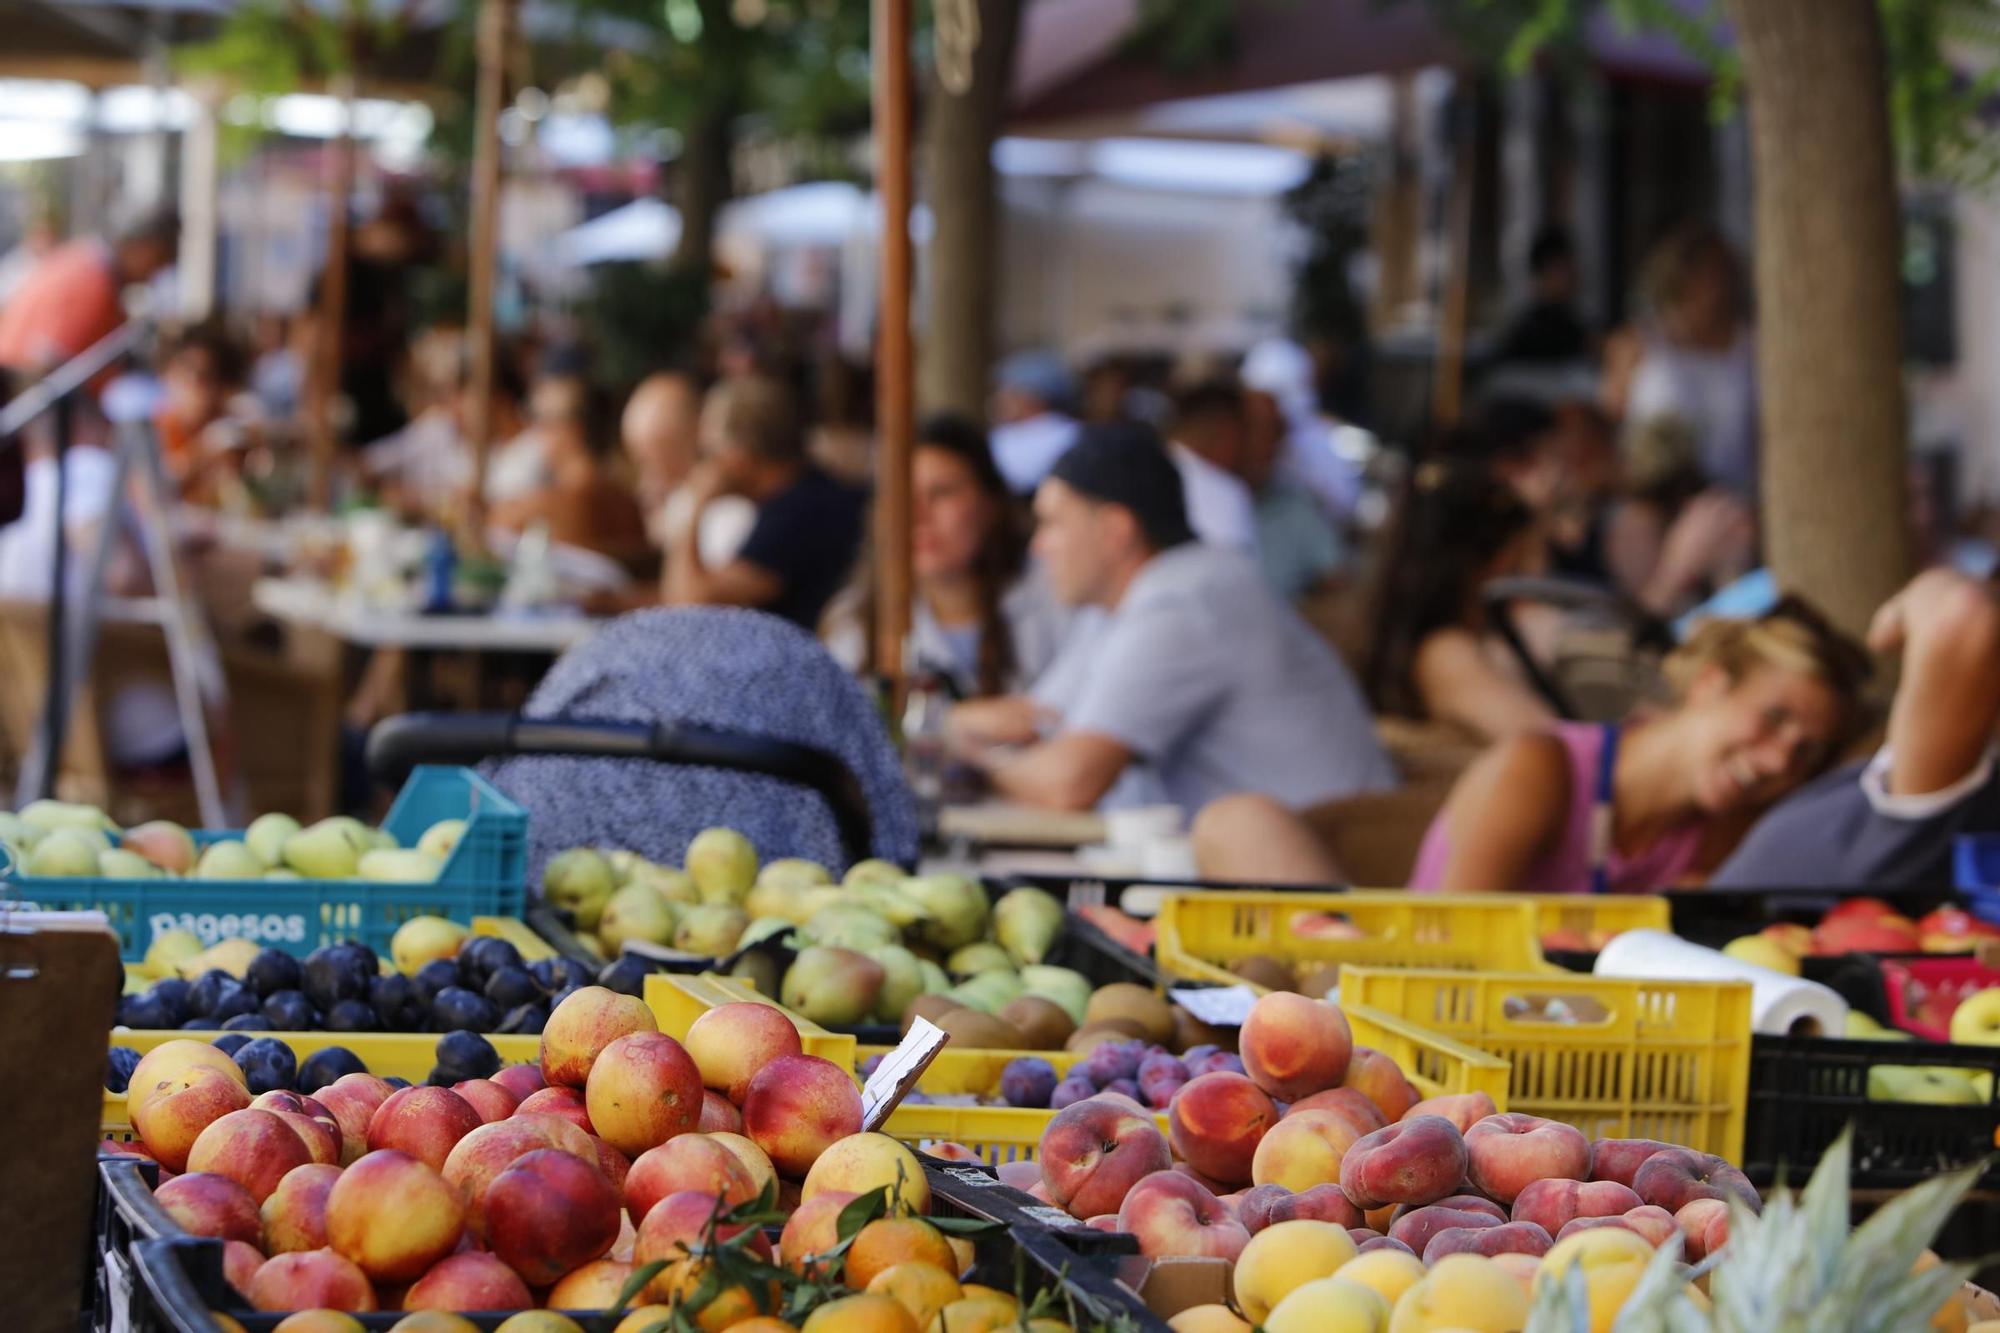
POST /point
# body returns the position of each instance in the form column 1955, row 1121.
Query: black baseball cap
column 1124, row 463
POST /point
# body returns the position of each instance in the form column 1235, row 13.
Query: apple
column 1976, row 1021
column 1172, row 1214
column 550, row 1212
column 1094, row 1151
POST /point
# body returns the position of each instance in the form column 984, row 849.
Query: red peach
column 1321, row 1203
column 1363, row 1114
column 1464, row 1201
column 321, row 1137
column 950, row 1152
column 492, row 1101
column 680, row 1222
column 1020, row 1173
column 564, row 1102
column 1255, row 1206
column 614, row 1164
column 1552, row 1204
column 351, row 1108
column 173, row 1116
column 520, row 1080
column 1620, row 1159
column 1413, row 1161
column 1303, row 1150
column 469, row 1281
column 1375, row 1243
column 1173, row 1215
column 1209, row 1183
column 1506, row 1153
column 295, row 1102
column 1415, row 1229
column 642, row 1091
column 594, row 1286
column 809, row 1231
column 548, row 1213
column 1464, row 1109
column 1293, row 1046
column 295, row 1215
column 393, row 1215
column 483, row 1154
column 253, row 1148
column 1380, row 1079
column 424, row 1122
column 207, row 1204
column 731, row 1042
column 1507, row 1238
column 1705, row 1222
column 240, row 1262
column 311, row 1280
column 720, row 1116
column 1215, row 1122
column 1094, row 1151
column 1653, row 1223
column 1103, row 1222
column 583, row 1025
column 688, row 1163
column 1675, row 1178
column 799, row 1105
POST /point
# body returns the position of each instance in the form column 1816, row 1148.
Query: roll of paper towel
column 1779, row 1004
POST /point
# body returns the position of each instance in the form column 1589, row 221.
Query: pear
column 1027, row 921
column 763, row 928
column 760, row 970
column 890, row 903
column 283, row 875
column 989, row 992
column 636, row 912
column 63, row 853
column 330, row 849
column 382, row 840
column 838, row 986
column 674, row 885
column 580, row 882
column 851, row 927
column 723, row 865
column 441, row 839
column 710, row 928
column 229, row 859
column 267, row 836
column 935, row 980
column 902, row 981
column 425, row 939
column 395, row 866
column 777, row 898
column 973, row 959
column 13, row 831
column 1069, row 989
column 121, row 864
column 794, row 870
column 48, row 816
column 873, row 871
column 624, row 864
column 169, row 948
column 957, row 907
column 231, row 956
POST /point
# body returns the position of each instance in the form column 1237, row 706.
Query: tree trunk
column 703, row 184
column 958, row 132
column 1835, row 517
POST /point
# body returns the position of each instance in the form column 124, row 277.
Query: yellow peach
column 1284, row 1256
column 1389, row 1273
column 1329, row 1305
column 1208, row 1319
column 1462, row 1291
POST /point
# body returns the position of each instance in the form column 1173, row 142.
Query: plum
column 456, row 1008
column 433, row 977
column 525, row 1020
column 1112, row 1061
column 274, row 970
column 324, row 1066
column 289, row 1011
column 510, row 987
column 468, row 1055
column 268, row 1065
column 1028, row 1081
column 351, row 1016
column 118, row 1076
column 1072, row 1089
column 229, row 1043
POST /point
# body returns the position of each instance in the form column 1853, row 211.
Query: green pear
column 828, row 985
column 764, row 928
column 228, row 860
column 624, row 864
column 329, row 849
column 48, row 816
column 973, row 959
column 989, row 992
column 889, row 902
column 267, row 836
column 794, row 870
column 580, row 882
column 935, row 980
column 12, row 830
column 1059, row 985
column 957, row 906
column 902, row 981
column 723, row 865
column 851, row 927
column 671, row 884
column 1027, row 921
column 760, row 970
column 382, row 840
column 63, row 853
column 121, row 864
column 425, row 939
column 284, row 876
column 636, row 912
column 873, row 871
column 712, row 929
column 441, row 838
column 387, row 865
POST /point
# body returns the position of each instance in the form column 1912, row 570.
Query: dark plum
column 1028, row 1081
column 268, row 1065
column 333, row 973
column 392, row 997
column 274, row 970
column 456, row 1007
column 350, row 1016
column 289, row 1011
column 626, row 974
column 207, row 989
column 511, row 987
column 250, row 1022
column 229, row 1043
column 324, row 1066
column 118, row 1075
column 232, row 1001
column 526, row 1021
column 468, row 1055
column 433, row 977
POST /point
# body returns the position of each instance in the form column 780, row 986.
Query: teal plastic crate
column 486, row 875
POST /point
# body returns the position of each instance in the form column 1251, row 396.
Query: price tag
column 899, row 1071
column 1218, row 1006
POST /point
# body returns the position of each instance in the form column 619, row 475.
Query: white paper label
column 899, row 1071
column 1219, row 1006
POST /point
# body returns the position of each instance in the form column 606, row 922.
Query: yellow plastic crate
column 1665, row 1060
column 532, row 947
column 677, row 1001
column 1589, row 919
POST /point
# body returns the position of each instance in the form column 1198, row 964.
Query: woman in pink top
column 1759, row 706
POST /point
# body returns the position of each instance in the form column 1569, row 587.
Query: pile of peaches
column 625, row 1167
column 1321, row 1161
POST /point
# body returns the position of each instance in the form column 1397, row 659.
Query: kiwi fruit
column 930, row 1008
column 1111, row 1029
column 969, row 1027
column 1191, row 1031
column 1321, row 980
column 1044, row 1024
column 1263, row 970
column 1146, row 1007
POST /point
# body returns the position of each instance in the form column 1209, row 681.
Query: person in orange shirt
column 70, row 299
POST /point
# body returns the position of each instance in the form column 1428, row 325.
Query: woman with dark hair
column 980, row 615
column 1434, row 655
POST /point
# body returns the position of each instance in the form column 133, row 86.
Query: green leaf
column 637, row 1283
column 963, row 1226
column 860, row 1211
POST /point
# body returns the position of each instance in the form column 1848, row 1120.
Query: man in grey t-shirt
column 1890, row 822
column 1198, row 676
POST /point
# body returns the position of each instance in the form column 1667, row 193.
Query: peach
column 679, row 1223
column 643, row 1089
column 948, row 1151
column 762, row 1174
column 862, row 1162
column 797, row 1107
column 1321, row 1203
column 1363, row 1114
column 584, row 1024
column 1416, row 1228
column 593, row 1286
column 1507, row 1238
column 1173, row 1215
column 1293, row 1046
column 1094, row 1151
column 470, row 1281
column 169, row 1119
column 919, row 1288
column 1022, row 1173
column 1389, row 1272
column 171, row 1060
column 564, row 1103
column 492, row 1101
column 1103, row 1222
column 1612, row 1260
column 207, row 1204
column 424, row 1122
column 1303, row 1150
column 320, row 1137
column 1413, row 1161
column 521, row 1080
column 1283, row 1257
column 1705, row 1222
column 731, row 1042
column 1329, row 1305
column 1208, row 1319
column 351, row 1108
column 393, row 1216
column 690, row 1162
column 1464, row 1109
column 253, row 1148
column 614, row 1164
column 1653, row 1222
column 1464, row 1202
column 1554, row 1203
column 889, row 1241
column 1215, row 1121
column 294, row 1215
column 811, row 1231
column 1463, row 1291
column 1378, row 1077
column 1371, row 1243
column 483, row 1154
column 718, row 1113
column 1620, row 1159
column 1521, row 1267
column 1506, row 1153
column 1209, row 1183
column 550, row 1212
column 1255, row 1205
column 240, row 1262
column 312, row 1279
column 1675, row 1178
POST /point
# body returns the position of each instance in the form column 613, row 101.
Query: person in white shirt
column 1033, row 400
column 1207, row 448
column 1282, row 398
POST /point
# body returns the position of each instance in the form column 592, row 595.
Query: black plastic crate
column 1805, row 1090
column 1717, row 916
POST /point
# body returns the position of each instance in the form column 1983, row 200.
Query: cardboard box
column 1169, row 1286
